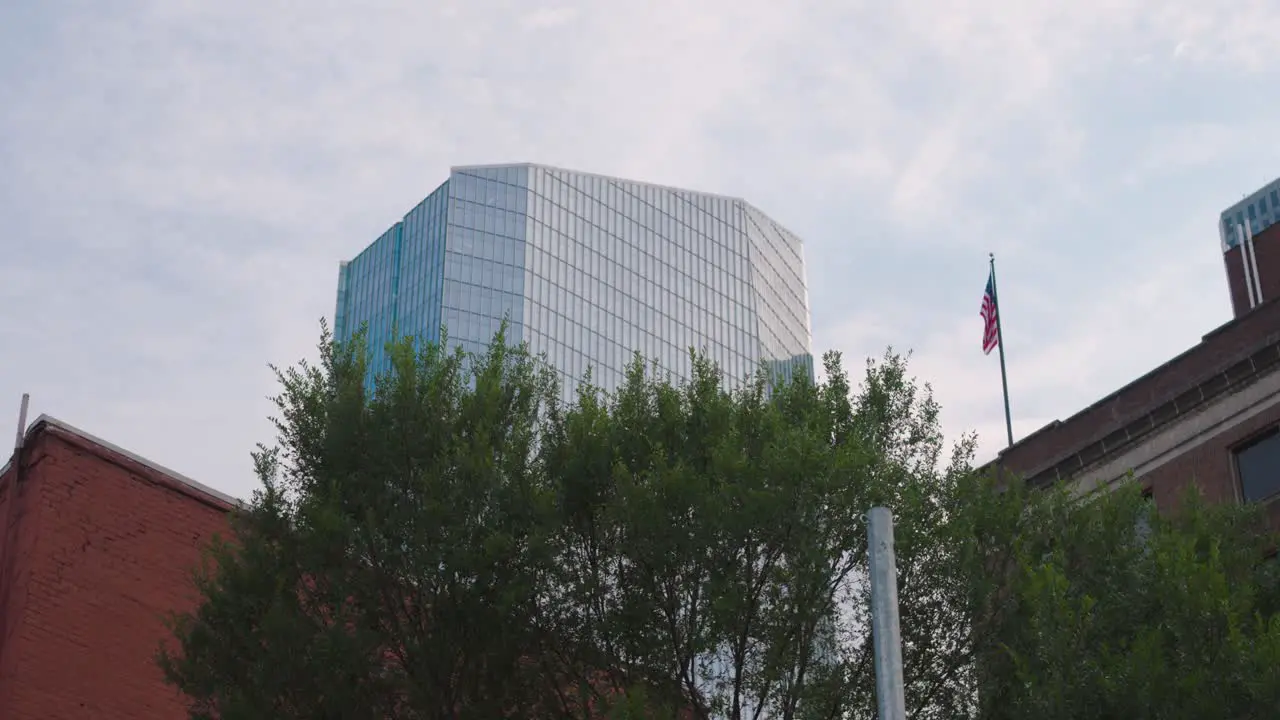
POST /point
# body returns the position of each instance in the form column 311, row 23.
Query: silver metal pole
column 22, row 422
column 1253, row 259
column 1244, row 263
column 885, row 634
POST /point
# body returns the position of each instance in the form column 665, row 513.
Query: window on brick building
column 1258, row 467
column 1143, row 528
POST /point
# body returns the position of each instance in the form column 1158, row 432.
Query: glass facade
column 588, row 269
column 1260, row 210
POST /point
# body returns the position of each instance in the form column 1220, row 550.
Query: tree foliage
column 457, row 542
column 1111, row 610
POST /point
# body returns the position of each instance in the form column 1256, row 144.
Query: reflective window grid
column 1261, row 210
column 588, row 269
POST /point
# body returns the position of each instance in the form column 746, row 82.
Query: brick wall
column 1222, row 349
column 1210, row 467
column 1266, row 245
column 99, row 551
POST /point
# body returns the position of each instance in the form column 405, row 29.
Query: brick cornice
column 1230, row 379
column 45, row 432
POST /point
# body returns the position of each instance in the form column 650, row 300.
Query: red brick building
column 1266, row 247
column 1210, row 416
column 96, row 548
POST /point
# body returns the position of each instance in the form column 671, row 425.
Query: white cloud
column 549, row 17
column 181, row 178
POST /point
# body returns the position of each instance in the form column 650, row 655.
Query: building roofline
column 1113, row 394
column 1240, row 374
column 47, row 421
column 613, row 178
column 1247, row 199
column 1269, row 306
column 602, row 176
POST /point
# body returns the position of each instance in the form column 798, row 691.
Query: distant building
column 1261, row 210
column 1258, row 215
column 589, row 269
column 97, row 546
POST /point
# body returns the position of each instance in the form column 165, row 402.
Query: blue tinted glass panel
column 1261, row 213
column 393, row 287
column 1258, row 466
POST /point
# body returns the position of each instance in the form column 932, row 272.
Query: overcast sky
column 178, row 179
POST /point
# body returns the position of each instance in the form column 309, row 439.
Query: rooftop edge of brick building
column 96, row 549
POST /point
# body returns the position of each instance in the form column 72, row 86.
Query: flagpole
column 1004, row 378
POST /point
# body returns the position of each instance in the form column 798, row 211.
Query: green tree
column 390, row 564
column 712, row 543
column 1110, row 610
column 455, row 543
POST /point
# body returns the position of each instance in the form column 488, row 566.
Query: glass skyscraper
column 589, row 269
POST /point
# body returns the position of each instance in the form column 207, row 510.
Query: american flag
column 990, row 318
